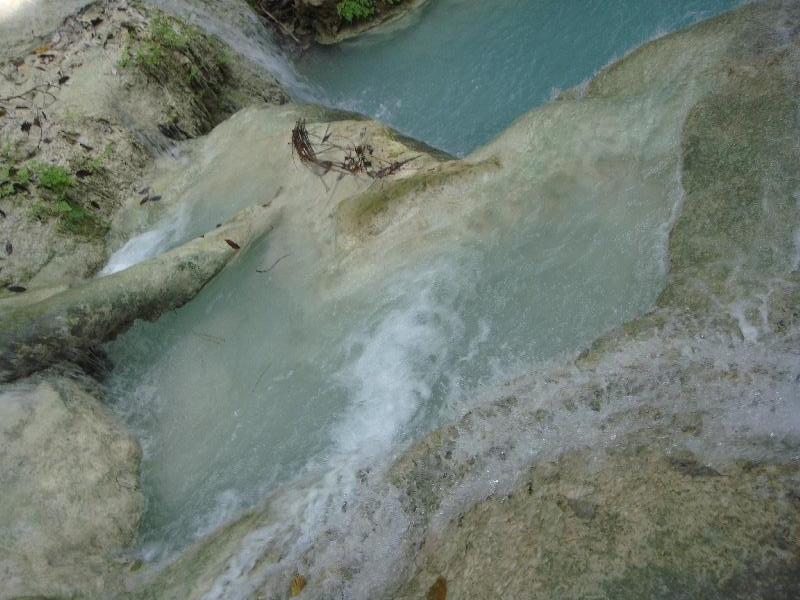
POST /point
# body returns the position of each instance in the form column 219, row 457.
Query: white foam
column 394, row 370
column 139, row 248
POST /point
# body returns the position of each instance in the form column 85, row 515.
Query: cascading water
column 267, row 379
column 235, row 24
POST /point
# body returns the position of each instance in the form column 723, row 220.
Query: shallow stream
column 287, row 376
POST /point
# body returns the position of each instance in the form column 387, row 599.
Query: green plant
column 126, row 58
column 71, row 218
column 172, row 52
column 13, row 179
column 54, row 178
column 194, row 74
column 75, row 219
column 92, row 166
column 355, row 9
column 23, row 176
column 170, row 33
column 163, row 34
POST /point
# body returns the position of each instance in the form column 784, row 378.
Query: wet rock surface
column 321, row 21
column 628, row 525
column 716, row 524
column 661, row 461
column 83, row 115
column 39, row 329
column 71, row 499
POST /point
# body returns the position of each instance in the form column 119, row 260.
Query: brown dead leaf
column 438, row 591
column 297, row 585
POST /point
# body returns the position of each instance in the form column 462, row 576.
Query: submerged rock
column 71, row 500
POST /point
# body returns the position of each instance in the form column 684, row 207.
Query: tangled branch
column 358, row 159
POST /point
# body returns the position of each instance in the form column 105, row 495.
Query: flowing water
column 297, row 376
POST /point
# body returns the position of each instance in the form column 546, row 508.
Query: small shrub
column 54, row 178
column 355, row 9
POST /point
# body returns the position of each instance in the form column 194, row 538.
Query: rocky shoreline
column 84, row 115
column 556, row 487
column 329, row 22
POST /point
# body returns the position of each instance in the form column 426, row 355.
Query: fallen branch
column 281, row 25
column 358, row 159
column 273, row 264
column 42, row 87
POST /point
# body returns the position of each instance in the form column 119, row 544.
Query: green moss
column 172, row 52
column 13, row 179
column 24, row 176
column 54, row 178
column 72, row 218
column 194, row 68
column 736, row 228
column 354, row 10
column 360, row 211
column 52, row 189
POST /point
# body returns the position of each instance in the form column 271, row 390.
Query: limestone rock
column 106, row 90
column 39, row 328
column 70, row 498
column 643, row 530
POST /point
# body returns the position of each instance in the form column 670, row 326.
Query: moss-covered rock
column 331, row 21
column 630, row 525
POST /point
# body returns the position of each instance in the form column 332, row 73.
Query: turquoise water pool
column 457, row 73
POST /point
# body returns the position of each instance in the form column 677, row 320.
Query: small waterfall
column 269, row 384
column 234, row 22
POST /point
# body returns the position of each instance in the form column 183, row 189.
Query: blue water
column 458, row 72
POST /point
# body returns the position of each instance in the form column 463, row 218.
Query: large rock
column 71, row 500
column 40, row 328
column 633, row 524
column 249, row 159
